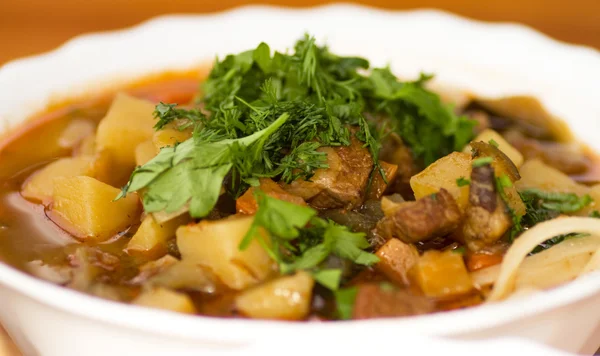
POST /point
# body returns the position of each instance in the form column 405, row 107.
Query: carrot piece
column 246, row 204
column 476, row 261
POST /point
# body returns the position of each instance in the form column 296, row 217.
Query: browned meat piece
column 568, row 158
column 343, row 184
column 486, row 216
column 482, row 119
column 395, row 260
column 246, row 204
column 432, row 216
column 378, row 185
column 374, row 301
column 394, row 151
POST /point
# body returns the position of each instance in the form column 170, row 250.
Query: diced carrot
column 476, row 261
column 246, row 204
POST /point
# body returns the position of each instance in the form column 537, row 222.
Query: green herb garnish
column 463, row 182
column 482, row 161
column 345, row 299
column 267, row 115
column 560, row 202
column 302, row 241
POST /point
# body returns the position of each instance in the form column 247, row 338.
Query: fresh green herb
column 463, row 182
column 194, row 171
column 542, row 206
column 387, row 286
column 493, row 143
column 503, row 182
column 268, row 114
column 302, row 241
column 482, row 161
column 554, row 241
column 329, row 278
column 345, row 299
column 460, row 250
column 166, row 113
column 560, row 202
column 595, row 214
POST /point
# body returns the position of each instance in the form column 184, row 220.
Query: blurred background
column 32, row 26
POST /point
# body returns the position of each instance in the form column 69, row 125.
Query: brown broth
column 26, row 233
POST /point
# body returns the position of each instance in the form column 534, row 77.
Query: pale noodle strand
column 541, row 232
column 593, row 264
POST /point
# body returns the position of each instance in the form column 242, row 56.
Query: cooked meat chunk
column 246, row 204
column 376, row 301
column 394, row 151
column 481, row 118
column 379, row 185
column 395, row 260
column 486, row 216
column 343, row 184
column 432, row 216
column 568, row 158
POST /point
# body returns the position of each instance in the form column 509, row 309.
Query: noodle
column 593, row 264
column 517, row 253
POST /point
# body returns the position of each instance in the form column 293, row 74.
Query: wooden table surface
column 32, row 26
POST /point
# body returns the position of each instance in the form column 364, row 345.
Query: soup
column 300, row 186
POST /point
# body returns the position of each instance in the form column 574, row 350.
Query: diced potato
column 214, row 244
column 285, row 298
column 87, row 147
column 594, row 192
column 537, row 174
column 443, row 173
column 40, row 185
column 163, row 298
column 487, row 135
column 144, row 152
column 396, row 258
column 168, row 137
column 75, row 132
column 442, row 274
column 391, row 203
column 186, row 275
column 150, row 240
column 84, row 207
column 128, row 123
column 102, row 169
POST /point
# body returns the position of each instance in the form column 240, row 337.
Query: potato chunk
column 163, row 298
column 396, row 258
column 84, row 207
column 150, row 240
column 76, row 132
column 128, row 123
column 169, row 136
column 487, row 135
column 40, row 185
column 442, row 274
column 144, row 152
column 537, row 174
column 443, row 173
column 285, row 298
column 214, row 244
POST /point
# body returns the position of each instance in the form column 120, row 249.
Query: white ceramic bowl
column 490, row 60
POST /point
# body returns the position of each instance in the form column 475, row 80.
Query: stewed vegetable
column 298, row 186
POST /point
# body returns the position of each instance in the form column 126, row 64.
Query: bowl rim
column 168, row 323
